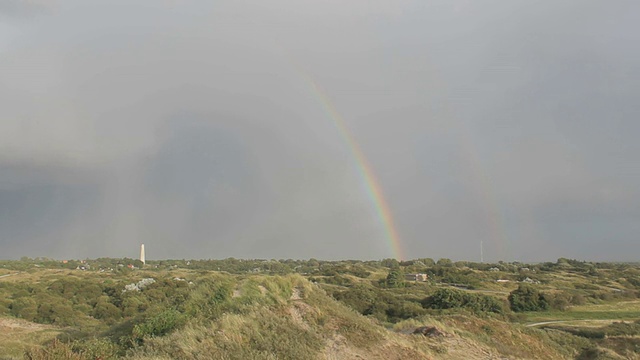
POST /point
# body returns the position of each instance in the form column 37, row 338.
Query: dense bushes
column 75, row 300
column 57, row 350
column 159, row 325
column 453, row 276
column 106, row 311
column 527, row 298
column 451, row 299
column 24, row 308
column 55, row 312
column 395, row 279
column 379, row 303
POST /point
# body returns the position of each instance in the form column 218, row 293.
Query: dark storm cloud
column 193, row 127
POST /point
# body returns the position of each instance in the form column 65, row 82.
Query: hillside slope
column 185, row 314
column 303, row 322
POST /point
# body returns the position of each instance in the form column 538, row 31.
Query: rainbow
column 483, row 186
column 373, row 189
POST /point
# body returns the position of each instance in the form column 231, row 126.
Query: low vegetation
column 293, row 309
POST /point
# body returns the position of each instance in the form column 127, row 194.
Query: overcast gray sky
column 192, row 127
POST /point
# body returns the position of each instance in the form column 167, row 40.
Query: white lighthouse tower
column 142, row 254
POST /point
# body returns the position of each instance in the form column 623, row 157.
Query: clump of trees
column 395, row 279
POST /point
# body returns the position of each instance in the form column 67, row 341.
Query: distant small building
column 416, row 277
column 502, row 280
column 494, row 269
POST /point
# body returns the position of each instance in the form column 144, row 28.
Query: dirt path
column 19, row 324
column 548, row 322
column 7, row 275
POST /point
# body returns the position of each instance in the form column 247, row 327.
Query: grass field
column 624, row 310
column 18, row 335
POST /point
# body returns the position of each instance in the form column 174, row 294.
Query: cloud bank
column 192, row 127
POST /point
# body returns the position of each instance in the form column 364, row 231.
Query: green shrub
column 106, row 311
column 559, row 301
column 395, row 279
column 56, row 312
column 133, row 304
column 159, row 325
column 401, row 310
column 97, row 348
column 337, row 280
column 56, row 350
column 25, row 308
column 379, row 303
column 360, row 298
column 4, row 305
column 527, row 298
column 451, row 299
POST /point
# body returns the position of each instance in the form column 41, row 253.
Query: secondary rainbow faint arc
column 374, row 191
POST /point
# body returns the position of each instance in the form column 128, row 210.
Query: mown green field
column 622, row 310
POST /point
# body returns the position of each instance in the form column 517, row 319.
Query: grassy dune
column 18, row 335
column 287, row 317
column 342, row 310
